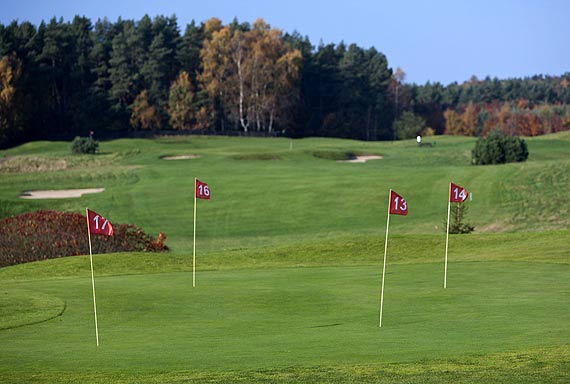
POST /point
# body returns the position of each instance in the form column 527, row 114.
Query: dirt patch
column 59, row 194
column 361, row 159
column 497, row 227
column 180, row 157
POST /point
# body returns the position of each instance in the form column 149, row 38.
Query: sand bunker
column 59, row 194
column 361, row 159
column 180, row 157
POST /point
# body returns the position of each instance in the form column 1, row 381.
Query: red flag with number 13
column 398, row 205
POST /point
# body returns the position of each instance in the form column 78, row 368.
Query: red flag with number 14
column 457, row 194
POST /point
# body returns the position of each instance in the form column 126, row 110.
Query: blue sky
column 444, row 41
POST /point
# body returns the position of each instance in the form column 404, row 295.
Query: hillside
column 274, row 191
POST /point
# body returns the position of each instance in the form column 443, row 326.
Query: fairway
column 289, row 258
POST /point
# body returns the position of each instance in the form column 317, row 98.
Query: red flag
column 202, row 190
column 398, row 205
column 457, row 194
column 98, row 224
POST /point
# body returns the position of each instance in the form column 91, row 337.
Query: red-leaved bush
column 50, row 234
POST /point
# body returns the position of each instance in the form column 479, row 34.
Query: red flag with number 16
column 202, row 190
column 398, row 205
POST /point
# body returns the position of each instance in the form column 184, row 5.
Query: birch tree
column 253, row 74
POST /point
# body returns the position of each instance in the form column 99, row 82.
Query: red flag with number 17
column 98, row 224
column 202, row 190
column 398, row 205
column 457, row 194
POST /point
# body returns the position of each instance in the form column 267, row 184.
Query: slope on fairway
column 299, row 196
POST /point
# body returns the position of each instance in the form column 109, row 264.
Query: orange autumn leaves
column 519, row 118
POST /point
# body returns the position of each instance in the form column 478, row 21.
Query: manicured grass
column 289, row 265
column 259, row 316
column 300, row 317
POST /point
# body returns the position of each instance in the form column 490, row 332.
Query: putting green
column 294, row 317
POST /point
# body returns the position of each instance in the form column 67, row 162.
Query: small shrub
column 45, row 235
column 84, row 145
column 457, row 223
column 498, row 148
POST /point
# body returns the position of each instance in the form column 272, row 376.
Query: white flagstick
column 447, row 238
column 384, row 269
column 194, row 244
column 92, row 278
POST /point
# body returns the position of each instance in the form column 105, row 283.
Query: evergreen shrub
column 498, row 148
column 84, row 145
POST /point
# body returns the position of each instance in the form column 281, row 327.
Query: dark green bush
column 498, row 148
column 84, row 145
column 409, row 125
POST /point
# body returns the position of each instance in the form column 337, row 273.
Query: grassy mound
column 21, row 307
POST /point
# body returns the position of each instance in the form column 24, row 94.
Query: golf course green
column 289, row 265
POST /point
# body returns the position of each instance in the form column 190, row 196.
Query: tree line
column 530, row 106
column 63, row 79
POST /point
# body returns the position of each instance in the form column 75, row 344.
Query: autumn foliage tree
column 252, row 73
column 181, row 103
column 518, row 118
column 10, row 108
column 144, row 114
